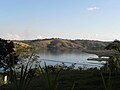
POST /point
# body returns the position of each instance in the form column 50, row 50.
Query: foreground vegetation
column 82, row 80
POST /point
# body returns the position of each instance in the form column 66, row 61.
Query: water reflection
column 68, row 57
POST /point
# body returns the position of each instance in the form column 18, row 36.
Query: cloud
column 12, row 36
column 92, row 8
column 17, row 36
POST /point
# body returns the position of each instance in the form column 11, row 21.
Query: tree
column 115, row 45
column 114, row 62
column 7, row 54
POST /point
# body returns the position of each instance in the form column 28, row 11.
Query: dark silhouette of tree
column 114, row 62
column 7, row 54
column 115, row 45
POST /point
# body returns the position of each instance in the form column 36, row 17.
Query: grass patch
column 78, row 80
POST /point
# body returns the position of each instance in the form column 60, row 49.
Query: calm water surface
column 69, row 57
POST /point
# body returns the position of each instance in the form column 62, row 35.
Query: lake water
column 69, row 57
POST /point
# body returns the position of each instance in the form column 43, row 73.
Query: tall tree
column 114, row 62
column 7, row 54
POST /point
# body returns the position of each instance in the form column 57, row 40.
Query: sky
column 67, row 19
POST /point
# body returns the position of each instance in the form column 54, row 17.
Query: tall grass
column 23, row 81
column 50, row 80
column 73, row 86
column 107, row 81
column 20, row 80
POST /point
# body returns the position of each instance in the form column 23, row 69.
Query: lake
column 69, row 58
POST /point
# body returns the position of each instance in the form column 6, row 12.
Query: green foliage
column 114, row 60
column 114, row 46
column 1, row 80
column 35, row 72
column 50, row 82
column 107, row 82
column 51, row 75
column 7, row 54
column 21, row 75
column 22, row 81
column 73, row 86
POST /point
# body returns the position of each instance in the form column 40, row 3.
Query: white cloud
column 17, row 36
column 92, row 8
column 38, row 37
column 12, row 36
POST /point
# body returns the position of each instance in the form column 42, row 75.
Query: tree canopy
column 114, row 63
column 7, row 54
column 115, row 45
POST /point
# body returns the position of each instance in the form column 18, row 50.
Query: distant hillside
column 65, row 44
column 20, row 44
column 21, row 47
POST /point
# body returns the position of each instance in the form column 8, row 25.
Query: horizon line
column 62, row 39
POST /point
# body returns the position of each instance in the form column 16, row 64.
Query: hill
column 21, row 48
column 65, row 44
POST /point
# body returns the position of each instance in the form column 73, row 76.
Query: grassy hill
column 66, row 44
column 21, row 48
